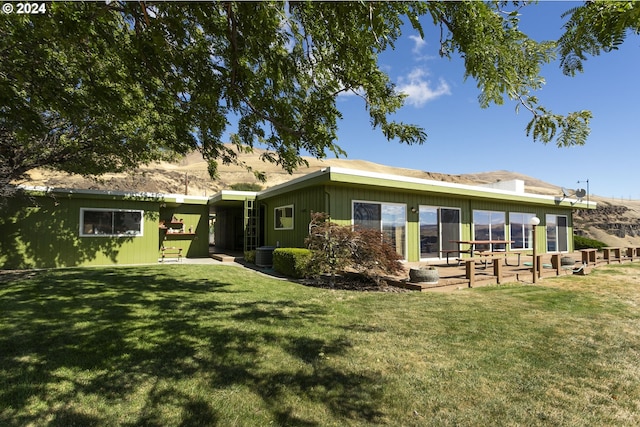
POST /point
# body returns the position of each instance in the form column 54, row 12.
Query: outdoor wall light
column 414, row 210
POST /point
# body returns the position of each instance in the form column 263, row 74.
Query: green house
column 422, row 218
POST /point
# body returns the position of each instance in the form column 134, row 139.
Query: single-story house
column 422, row 218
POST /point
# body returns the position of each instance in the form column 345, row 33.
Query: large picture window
column 489, row 225
column 389, row 218
column 521, row 230
column 284, row 218
column 110, row 222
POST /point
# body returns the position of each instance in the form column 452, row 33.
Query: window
column 557, row 233
column 110, row 222
column 489, row 225
column 438, row 227
column 284, row 218
column 521, row 230
column 389, row 218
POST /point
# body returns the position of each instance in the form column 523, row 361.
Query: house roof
column 337, row 176
column 343, row 176
column 113, row 194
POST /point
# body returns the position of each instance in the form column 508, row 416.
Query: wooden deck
column 457, row 276
column 496, row 270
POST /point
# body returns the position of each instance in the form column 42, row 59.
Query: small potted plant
column 427, row 275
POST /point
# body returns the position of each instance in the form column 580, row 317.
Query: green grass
column 196, row 345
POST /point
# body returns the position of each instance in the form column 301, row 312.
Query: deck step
column 225, row 257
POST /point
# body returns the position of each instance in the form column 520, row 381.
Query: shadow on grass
column 94, row 347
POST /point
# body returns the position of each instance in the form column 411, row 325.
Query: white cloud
column 418, row 44
column 419, row 89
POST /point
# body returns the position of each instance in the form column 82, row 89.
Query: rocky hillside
column 616, row 224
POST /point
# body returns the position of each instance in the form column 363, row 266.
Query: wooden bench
column 171, row 252
column 447, row 252
column 500, row 254
column 589, row 256
column 612, row 253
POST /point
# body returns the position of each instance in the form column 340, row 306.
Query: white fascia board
column 450, row 187
column 166, row 197
column 232, row 195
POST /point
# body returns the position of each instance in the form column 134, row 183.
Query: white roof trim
column 407, row 179
column 46, row 189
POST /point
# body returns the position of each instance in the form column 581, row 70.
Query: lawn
column 205, row 345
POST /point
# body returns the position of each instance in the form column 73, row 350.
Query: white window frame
column 490, row 212
column 135, row 233
column 556, row 228
column 275, row 217
column 526, row 217
column 441, row 244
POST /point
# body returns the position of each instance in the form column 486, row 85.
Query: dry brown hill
column 616, row 224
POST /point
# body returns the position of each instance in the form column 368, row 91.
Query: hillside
column 616, row 224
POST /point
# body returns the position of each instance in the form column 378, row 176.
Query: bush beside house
column 292, row 262
column 338, row 249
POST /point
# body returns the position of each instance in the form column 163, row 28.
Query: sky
column 464, row 138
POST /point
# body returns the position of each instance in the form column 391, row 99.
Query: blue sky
column 464, row 138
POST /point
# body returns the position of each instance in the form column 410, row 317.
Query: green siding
column 195, row 216
column 42, row 231
column 338, row 199
column 341, row 198
column 304, row 202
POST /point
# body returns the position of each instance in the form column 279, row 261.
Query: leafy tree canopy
column 95, row 87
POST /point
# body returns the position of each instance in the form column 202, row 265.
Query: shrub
column 292, row 262
column 581, row 242
column 338, row 249
column 250, row 257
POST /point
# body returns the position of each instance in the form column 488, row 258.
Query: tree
column 594, row 28
column 91, row 88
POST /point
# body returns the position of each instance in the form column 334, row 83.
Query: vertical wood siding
column 304, row 202
column 44, row 231
column 343, row 196
column 195, row 216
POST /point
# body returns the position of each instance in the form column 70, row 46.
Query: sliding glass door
column 557, row 233
column 438, row 227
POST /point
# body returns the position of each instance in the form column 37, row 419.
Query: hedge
column 292, row 262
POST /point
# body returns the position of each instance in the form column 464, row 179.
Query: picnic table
column 492, row 252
